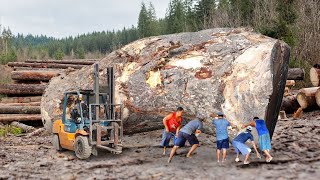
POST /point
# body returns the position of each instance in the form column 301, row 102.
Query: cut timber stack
column 30, row 79
column 289, row 101
column 306, row 98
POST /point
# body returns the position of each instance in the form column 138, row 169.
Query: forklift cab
column 76, row 110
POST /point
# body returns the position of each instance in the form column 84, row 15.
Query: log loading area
column 236, row 71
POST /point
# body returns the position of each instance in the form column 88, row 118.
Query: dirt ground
column 296, row 151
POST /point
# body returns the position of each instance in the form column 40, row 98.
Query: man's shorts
column 265, row 142
column 166, row 137
column 223, row 144
column 183, row 137
column 241, row 147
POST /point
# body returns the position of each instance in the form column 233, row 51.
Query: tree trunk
column 20, row 110
column 306, row 98
column 295, row 74
column 75, row 61
column 290, row 104
column 24, row 127
column 315, row 75
column 33, row 75
column 232, row 70
column 22, row 89
column 19, row 117
column 37, row 69
column 21, row 104
column 21, row 99
column 45, row 65
column 317, row 96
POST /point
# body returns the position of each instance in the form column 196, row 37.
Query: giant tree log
column 21, row 99
column 306, row 98
column 33, row 75
column 295, row 74
column 317, row 96
column 232, row 70
column 19, row 109
column 315, row 75
column 22, row 89
column 76, row 61
column 45, row 65
column 19, row 117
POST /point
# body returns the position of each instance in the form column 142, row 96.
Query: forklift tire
column 82, row 148
column 56, row 142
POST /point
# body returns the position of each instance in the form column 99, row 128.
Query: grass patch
column 7, row 129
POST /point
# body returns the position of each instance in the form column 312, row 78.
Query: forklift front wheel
column 56, row 142
column 82, row 147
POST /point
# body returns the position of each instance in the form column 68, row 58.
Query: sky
column 62, row 18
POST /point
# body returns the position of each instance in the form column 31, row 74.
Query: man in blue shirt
column 240, row 146
column 189, row 132
column 222, row 136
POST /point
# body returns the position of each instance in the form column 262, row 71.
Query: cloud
column 61, row 18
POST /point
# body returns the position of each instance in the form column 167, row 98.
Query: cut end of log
column 315, row 76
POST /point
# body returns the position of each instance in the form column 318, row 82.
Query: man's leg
column 173, row 152
column 246, row 159
column 218, row 155
column 269, row 157
column 193, row 148
column 165, row 140
column 224, row 154
column 193, row 141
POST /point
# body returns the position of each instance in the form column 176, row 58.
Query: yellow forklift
column 90, row 120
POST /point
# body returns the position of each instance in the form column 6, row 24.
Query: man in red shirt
column 172, row 124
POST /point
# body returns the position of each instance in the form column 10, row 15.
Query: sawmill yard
column 296, row 151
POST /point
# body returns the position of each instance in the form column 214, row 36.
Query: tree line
column 294, row 21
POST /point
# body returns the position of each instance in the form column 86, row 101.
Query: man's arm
column 255, row 148
column 252, row 123
column 178, row 129
column 165, row 119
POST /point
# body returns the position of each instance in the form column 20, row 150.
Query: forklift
column 90, row 121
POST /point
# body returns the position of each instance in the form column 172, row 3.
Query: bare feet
column 169, row 160
column 246, row 162
column 189, row 156
column 164, row 153
column 269, row 160
column 237, row 159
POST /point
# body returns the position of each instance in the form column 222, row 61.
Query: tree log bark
column 19, row 117
column 290, row 104
column 76, row 61
column 33, row 75
column 20, row 110
column 22, row 89
column 21, row 104
column 306, row 98
column 24, row 127
column 232, row 70
column 37, row 69
column 21, row 99
column 315, row 75
column 296, row 74
column 317, row 96
column 45, row 65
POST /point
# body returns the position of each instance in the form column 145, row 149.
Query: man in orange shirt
column 172, row 124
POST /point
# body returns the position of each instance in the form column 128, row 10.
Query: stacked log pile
column 30, row 79
column 305, row 99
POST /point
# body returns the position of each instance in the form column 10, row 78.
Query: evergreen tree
column 204, row 10
column 176, row 17
column 143, row 21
